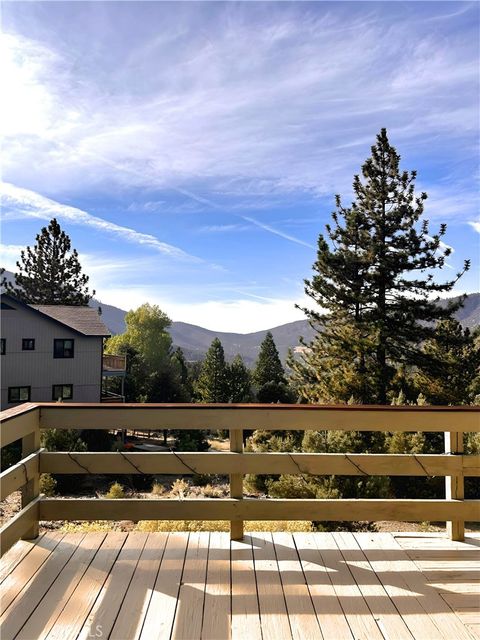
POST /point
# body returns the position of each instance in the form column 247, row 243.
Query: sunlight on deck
column 272, row 586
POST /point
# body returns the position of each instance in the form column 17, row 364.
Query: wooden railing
column 112, row 362
column 26, row 421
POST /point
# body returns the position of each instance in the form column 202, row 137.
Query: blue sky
column 192, row 151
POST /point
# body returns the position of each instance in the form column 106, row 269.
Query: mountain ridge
column 195, row 340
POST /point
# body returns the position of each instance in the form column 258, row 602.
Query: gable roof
column 84, row 320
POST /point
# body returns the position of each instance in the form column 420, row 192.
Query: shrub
column 210, row 491
column 47, row 484
column 158, row 489
column 115, row 492
column 180, row 488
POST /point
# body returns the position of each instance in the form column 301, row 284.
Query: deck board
column 186, row 586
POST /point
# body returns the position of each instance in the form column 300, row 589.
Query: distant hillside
column 195, row 340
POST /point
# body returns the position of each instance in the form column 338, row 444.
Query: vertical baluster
column 236, row 482
column 454, row 485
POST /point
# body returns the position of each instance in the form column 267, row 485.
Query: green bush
column 115, row 492
column 48, row 484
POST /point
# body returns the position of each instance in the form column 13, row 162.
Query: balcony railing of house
column 114, row 363
column 26, row 421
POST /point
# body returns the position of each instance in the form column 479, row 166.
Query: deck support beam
column 31, row 490
column 236, row 483
column 454, row 485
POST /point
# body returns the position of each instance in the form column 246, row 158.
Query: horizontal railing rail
column 112, row 362
column 25, row 422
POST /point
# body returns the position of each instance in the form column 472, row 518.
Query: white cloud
column 239, row 316
column 37, row 206
column 475, row 225
column 210, row 111
column 9, row 254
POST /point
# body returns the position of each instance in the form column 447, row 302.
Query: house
column 50, row 353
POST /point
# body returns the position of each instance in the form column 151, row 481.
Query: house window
column 3, row 346
column 18, row 394
column 63, row 348
column 62, row 392
column 28, row 344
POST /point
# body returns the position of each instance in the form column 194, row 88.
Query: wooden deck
column 365, row 586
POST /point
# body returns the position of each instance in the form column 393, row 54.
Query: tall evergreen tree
column 452, row 375
column 269, row 374
column 212, row 384
column 50, row 272
column 268, row 367
column 374, row 283
column 239, row 381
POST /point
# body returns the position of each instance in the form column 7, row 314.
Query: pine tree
column 269, row 375
column 374, row 284
column 239, row 381
column 212, row 384
column 50, row 272
column 268, row 367
column 452, row 375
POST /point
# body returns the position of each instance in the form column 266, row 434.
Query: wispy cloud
column 224, row 228
column 475, row 225
column 211, row 113
column 277, row 232
column 35, row 205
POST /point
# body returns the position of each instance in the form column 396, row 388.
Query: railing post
column 454, row 485
column 31, row 489
column 236, row 483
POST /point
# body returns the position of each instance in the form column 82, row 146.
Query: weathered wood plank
column 64, row 572
column 158, row 622
column 432, row 603
column 356, row 610
column 105, row 610
column 301, row 614
column 37, row 588
column 18, row 422
column 19, row 526
column 330, row 615
column 217, row 614
column 189, row 614
column 69, row 623
column 380, row 605
column 251, row 509
column 24, row 571
column 259, row 463
column 130, row 618
column 15, row 555
column 276, row 417
column 245, row 613
column 273, row 610
column 19, row 474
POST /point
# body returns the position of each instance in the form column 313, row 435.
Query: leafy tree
column 50, row 272
column 452, row 374
column 373, row 283
column 239, row 381
column 146, row 333
column 212, row 384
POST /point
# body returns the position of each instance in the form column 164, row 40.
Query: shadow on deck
column 270, row 586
